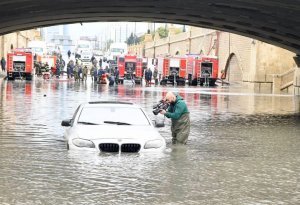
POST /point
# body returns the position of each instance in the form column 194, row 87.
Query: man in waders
column 180, row 116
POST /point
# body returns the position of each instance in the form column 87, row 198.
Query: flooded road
column 243, row 149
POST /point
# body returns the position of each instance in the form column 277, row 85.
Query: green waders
column 181, row 129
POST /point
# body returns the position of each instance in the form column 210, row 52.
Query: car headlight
column 133, row 73
column 125, row 72
column 153, row 144
column 83, row 143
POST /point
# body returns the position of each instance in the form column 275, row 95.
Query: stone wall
column 17, row 40
column 258, row 62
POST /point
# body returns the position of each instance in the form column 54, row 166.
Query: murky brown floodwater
column 243, row 149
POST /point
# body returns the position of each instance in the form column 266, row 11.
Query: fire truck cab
column 202, row 70
column 209, row 66
column 173, row 70
column 130, row 68
column 20, row 64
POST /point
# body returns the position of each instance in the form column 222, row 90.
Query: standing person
column 72, row 65
column 76, row 70
column 180, row 116
column 155, row 75
column 69, row 54
column 148, row 77
column 57, row 68
column 92, row 72
column 3, row 64
column 80, row 71
column 95, row 73
column 84, row 73
column 116, row 73
column 100, row 62
column 69, row 69
column 93, row 59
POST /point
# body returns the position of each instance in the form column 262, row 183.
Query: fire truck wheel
column 212, row 83
column 163, row 82
column 28, row 77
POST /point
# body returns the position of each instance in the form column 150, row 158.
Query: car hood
column 95, row 132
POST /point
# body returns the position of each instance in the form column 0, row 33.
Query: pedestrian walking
column 179, row 114
column 69, row 54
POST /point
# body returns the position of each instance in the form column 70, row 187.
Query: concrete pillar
column 172, row 30
column 297, row 76
column 276, row 84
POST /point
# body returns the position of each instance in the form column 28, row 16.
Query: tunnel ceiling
column 273, row 21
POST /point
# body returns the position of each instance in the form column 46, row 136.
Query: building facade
column 246, row 61
column 18, row 39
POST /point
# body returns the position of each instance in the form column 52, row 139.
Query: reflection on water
column 243, row 149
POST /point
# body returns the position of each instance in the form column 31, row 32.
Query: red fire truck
column 172, row 70
column 130, row 68
column 202, row 70
column 193, row 68
column 20, row 64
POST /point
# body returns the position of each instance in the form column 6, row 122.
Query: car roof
column 110, row 103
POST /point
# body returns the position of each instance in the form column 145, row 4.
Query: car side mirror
column 159, row 122
column 66, row 123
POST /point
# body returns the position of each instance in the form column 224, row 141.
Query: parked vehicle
column 115, row 127
column 202, row 70
column 172, row 69
column 38, row 47
column 130, row 68
column 20, row 64
column 86, row 57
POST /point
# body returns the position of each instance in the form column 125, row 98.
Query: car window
column 98, row 115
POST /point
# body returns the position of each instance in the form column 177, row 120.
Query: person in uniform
column 84, row 73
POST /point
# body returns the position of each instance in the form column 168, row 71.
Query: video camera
column 162, row 105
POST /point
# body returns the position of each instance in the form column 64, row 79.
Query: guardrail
column 283, row 81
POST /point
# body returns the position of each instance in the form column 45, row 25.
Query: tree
column 163, row 32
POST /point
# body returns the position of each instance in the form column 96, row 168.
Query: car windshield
column 113, row 115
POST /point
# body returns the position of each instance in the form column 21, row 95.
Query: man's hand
column 162, row 112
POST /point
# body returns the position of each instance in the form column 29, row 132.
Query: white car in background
column 115, row 127
column 86, row 57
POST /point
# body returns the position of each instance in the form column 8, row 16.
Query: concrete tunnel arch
column 273, row 21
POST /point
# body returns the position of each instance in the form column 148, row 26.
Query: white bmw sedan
column 112, row 127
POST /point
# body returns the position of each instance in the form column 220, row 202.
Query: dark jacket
column 148, row 74
column 101, row 72
column 3, row 63
column 116, row 73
